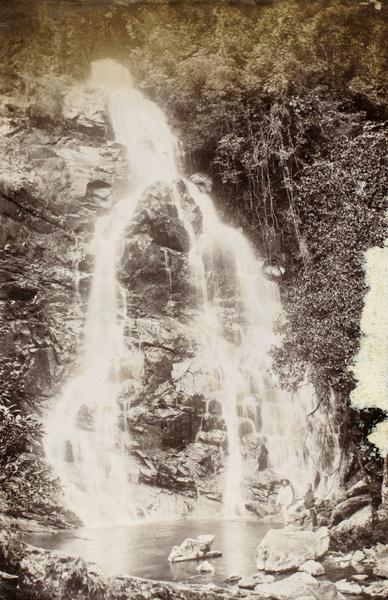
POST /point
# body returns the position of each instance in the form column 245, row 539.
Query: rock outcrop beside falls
column 175, row 408
column 55, row 178
column 167, row 409
column 50, row 175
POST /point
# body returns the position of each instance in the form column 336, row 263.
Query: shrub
column 28, row 487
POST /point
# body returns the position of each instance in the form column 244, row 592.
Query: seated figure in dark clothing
column 309, row 503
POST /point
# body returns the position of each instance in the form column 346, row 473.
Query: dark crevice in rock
column 159, row 347
column 32, row 213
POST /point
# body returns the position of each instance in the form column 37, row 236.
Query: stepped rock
column 191, row 549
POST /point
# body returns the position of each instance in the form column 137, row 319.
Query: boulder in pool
column 192, row 549
column 205, row 567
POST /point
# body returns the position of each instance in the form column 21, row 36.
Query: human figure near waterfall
column 285, row 498
column 262, row 459
column 309, row 504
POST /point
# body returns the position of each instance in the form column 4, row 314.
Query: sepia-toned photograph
column 193, row 299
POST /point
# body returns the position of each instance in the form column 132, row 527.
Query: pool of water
column 142, row 549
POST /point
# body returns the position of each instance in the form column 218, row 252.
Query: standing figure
column 285, row 498
column 309, row 503
column 262, row 459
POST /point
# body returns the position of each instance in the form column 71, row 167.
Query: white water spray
column 85, row 441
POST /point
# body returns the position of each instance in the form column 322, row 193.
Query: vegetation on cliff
column 284, row 103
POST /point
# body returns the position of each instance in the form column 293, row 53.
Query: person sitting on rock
column 309, row 504
column 285, row 499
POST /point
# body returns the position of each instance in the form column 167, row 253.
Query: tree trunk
column 384, row 487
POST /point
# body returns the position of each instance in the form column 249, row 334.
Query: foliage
column 186, row 54
column 340, row 202
column 26, row 480
column 360, row 538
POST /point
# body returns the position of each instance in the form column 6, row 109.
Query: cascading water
column 84, row 441
column 239, row 306
column 233, row 331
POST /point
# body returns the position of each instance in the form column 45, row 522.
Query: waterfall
column 86, row 440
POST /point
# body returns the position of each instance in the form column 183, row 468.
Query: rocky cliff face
column 167, row 410
column 55, row 177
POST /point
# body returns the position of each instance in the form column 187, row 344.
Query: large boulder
column 357, row 521
column 312, row 567
column 205, row 567
column 283, row 549
column 298, row 586
column 346, row 509
column 348, row 587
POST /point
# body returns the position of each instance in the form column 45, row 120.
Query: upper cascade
column 174, row 390
column 138, row 124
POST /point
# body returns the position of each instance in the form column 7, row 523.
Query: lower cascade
column 173, row 391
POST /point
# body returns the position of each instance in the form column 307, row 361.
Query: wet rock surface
column 47, row 209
